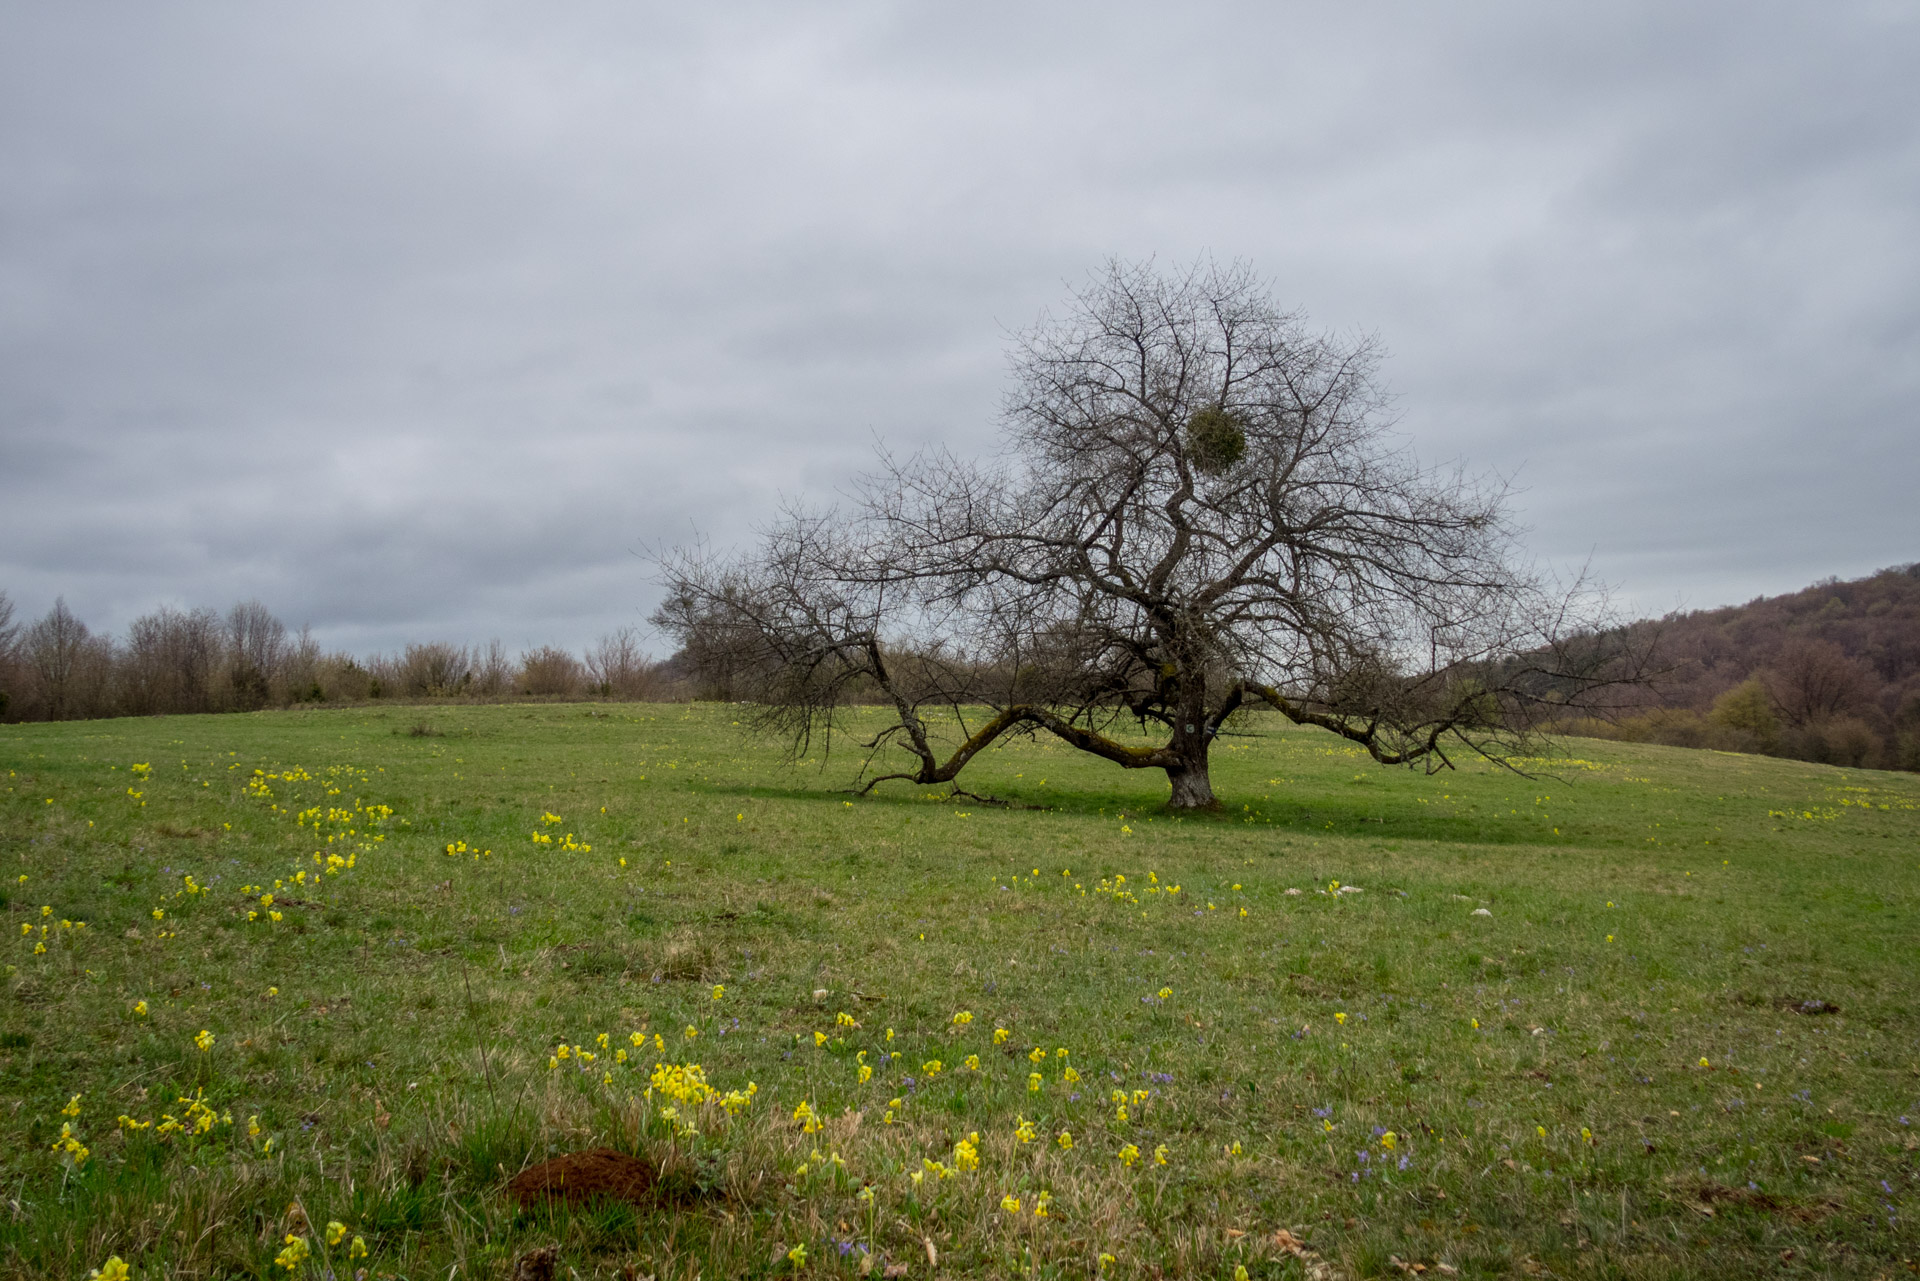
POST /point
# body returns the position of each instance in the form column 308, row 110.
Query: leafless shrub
column 433, row 670
column 548, row 672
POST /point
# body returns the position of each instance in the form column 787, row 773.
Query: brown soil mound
column 579, row 1177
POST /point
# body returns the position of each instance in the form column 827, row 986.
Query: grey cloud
column 419, row 319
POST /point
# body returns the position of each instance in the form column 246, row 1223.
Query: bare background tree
column 1199, row 507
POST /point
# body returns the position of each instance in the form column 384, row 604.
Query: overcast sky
column 420, row 321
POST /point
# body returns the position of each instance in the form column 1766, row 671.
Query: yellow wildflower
column 294, row 1254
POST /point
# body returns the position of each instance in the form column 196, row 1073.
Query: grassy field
column 1649, row 1014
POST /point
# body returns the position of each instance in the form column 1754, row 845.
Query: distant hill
column 1830, row 673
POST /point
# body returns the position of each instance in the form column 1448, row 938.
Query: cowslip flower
column 719, row 990
column 1036, row 1055
column 1034, row 1081
column 1160, row 1154
column 1000, row 1036
column 797, row 1256
column 204, row 1040
column 1388, row 1140
column 114, row 1269
column 1010, row 1203
column 932, row 1067
column 1166, row 993
column 866, row 1073
column 336, row 1232
column 972, row 1063
column 1340, row 1018
column 1065, row 1140
column 294, row 1254
column 1128, row 1155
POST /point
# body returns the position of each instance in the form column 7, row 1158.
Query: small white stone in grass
column 1293, row 891
column 1464, row 898
column 819, row 995
column 1480, row 911
column 1351, row 889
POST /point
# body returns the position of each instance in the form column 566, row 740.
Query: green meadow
column 1638, row 1012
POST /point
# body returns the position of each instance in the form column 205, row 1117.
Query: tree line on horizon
column 173, row 662
column 1829, row 674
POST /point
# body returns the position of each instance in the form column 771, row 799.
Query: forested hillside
column 1831, row 674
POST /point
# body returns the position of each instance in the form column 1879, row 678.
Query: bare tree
column 9, row 646
column 493, row 670
column 1198, row 508
column 617, row 667
column 300, row 668
column 1814, row 680
column 170, row 660
column 63, row 657
column 255, row 643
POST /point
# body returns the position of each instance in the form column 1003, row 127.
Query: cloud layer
column 419, row 321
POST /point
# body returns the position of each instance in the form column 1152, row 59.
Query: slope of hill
column 1830, row 673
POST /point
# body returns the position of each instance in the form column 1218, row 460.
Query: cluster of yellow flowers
column 68, row 1145
column 198, row 1119
column 46, row 927
column 460, row 847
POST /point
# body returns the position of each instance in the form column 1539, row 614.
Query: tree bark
column 1191, row 784
column 1192, row 788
